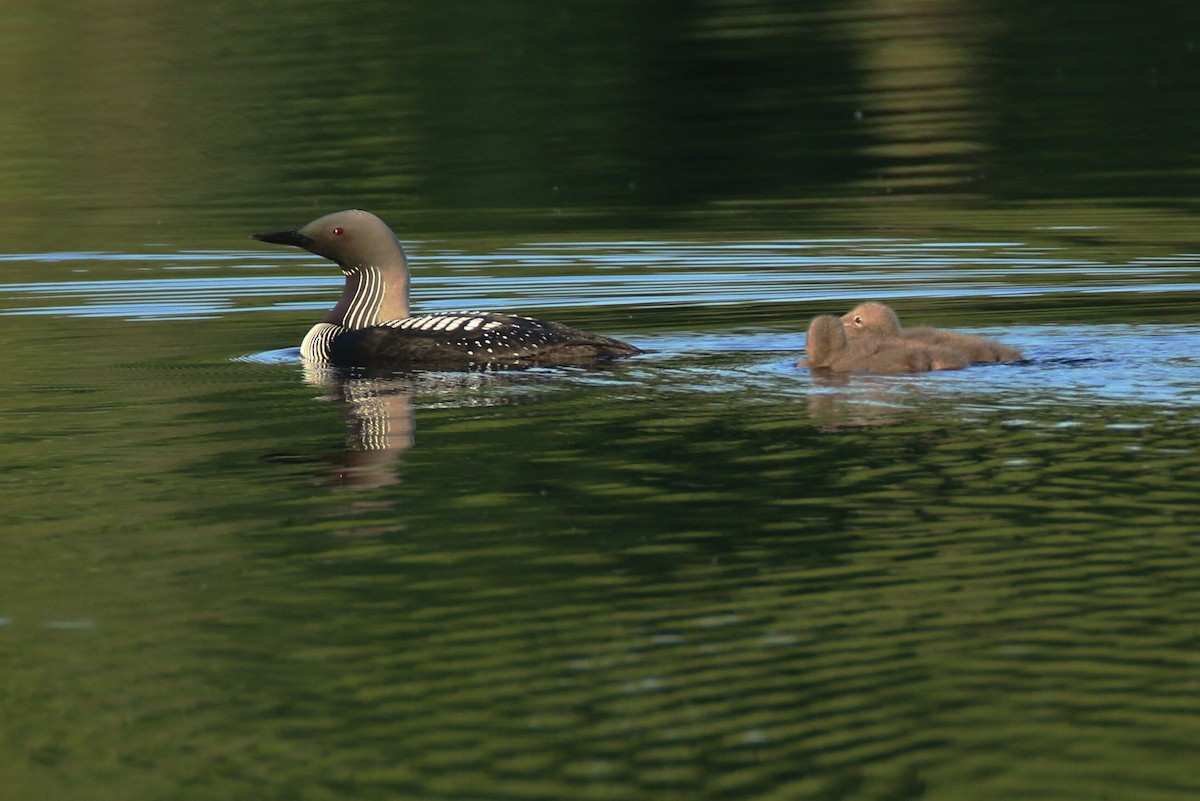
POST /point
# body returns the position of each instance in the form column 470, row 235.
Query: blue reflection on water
column 645, row 274
column 1077, row 363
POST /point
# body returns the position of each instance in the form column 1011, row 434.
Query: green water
column 700, row 573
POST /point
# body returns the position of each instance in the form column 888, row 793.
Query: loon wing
column 465, row 339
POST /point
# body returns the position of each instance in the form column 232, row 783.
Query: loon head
column 369, row 254
column 872, row 318
column 826, row 338
column 353, row 238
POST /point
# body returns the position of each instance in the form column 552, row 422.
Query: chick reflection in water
column 831, row 351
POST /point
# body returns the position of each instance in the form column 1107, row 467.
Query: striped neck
column 372, row 295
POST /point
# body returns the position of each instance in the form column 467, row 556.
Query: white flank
column 317, row 342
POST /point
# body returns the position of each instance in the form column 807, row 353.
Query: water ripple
column 652, row 274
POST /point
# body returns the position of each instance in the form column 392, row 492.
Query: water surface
column 701, row 570
column 699, row 573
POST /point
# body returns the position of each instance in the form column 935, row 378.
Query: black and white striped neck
column 361, row 298
column 371, row 295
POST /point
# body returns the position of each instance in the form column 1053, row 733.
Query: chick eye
column 339, row 231
column 858, row 319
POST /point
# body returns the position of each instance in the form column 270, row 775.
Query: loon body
column 830, row 350
column 877, row 321
column 371, row 327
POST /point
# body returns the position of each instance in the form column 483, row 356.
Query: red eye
column 339, row 231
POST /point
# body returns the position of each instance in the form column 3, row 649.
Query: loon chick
column 829, row 350
column 877, row 320
column 371, row 327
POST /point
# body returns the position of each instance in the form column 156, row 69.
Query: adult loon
column 370, row 326
column 876, row 320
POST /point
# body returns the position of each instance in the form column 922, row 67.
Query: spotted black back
column 471, row 338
